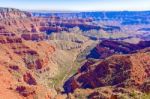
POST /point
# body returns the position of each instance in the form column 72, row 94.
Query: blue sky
column 77, row 5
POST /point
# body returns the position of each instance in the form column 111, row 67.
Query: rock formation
column 22, row 61
column 110, row 47
column 130, row 70
column 34, row 62
column 13, row 13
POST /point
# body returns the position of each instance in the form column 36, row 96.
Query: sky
column 78, row 5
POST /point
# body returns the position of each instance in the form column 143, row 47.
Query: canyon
column 66, row 56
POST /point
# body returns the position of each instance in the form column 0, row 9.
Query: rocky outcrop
column 33, row 92
column 145, row 87
column 71, row 37
column 118, row 70
column 106, row 93
column 34, row 36
column 17, row 22
column 107, row 48
column 24, row 91
column 29, row 79
column 126, row 17
column 20, row 60
column 13, row 13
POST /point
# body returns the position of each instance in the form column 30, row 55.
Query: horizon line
column 59, row 10
column 78, row 10
column 44, row 11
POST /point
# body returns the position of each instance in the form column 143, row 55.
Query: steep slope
column 21, row 23
column 67, row 41
column 15, row 21
column 13, row 13
column 68, row 45
column 107, row 48
column 130, row 71
column 23, row 61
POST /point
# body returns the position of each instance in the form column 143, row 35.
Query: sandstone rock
column 25, row 91
column 107, row 48
column 13, row 13
column 118, row 70
column 29, row 79
column 145, row 87
column 17, row 58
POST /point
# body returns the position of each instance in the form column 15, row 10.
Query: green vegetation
column 59, row 79
column 81, row 96
column 17, row 74
column 133, row 94
column 145, row 96
column 123, row 97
